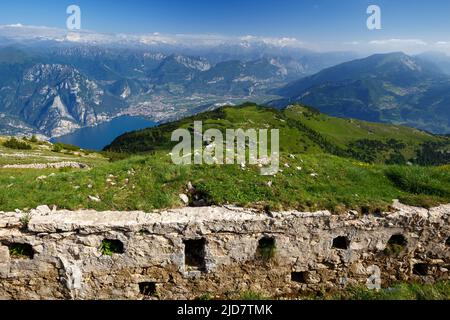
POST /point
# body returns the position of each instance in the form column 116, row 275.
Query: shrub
column 13, row 143
column 59, row 146
column 25, row 220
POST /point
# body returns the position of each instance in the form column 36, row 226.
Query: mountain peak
column 392, row 87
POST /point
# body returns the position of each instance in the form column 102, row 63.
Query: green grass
column 416, row 180
column 252, row 296
column 304, row 130
column 21, row 251
column 205, row 297
column 153, row 182
column 323, row 174
column 42, row 152
column 403, row 291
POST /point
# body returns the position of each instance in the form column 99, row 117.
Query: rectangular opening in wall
column 20, row 251
column 420, row 269
column 299, row 277
column 111, row 247
column 147, row 289
column 341, row 243
column 194, row 253
column 266, row 248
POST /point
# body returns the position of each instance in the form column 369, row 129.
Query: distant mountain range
column 394, row 88
column 53, row 83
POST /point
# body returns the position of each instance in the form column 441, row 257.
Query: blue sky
column 307, row 20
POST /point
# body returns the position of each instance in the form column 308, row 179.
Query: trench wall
column 223, row 252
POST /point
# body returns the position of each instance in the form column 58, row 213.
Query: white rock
column 44, row 209
column 95, row 199
column 184, row 198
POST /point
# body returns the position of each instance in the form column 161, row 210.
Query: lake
column 98, row 137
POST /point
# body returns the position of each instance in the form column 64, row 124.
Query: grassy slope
column 154, row 182
column 343, row 131
column 151, row 181
column 302, row 130
column 42, row 153
column 401, row 291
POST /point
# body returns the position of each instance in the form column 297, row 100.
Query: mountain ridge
column 394, row 88
column 130, row 81
column 304, row 130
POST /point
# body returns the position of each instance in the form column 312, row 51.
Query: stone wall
column 221, row 251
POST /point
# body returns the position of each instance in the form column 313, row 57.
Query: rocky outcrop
column 222, row 251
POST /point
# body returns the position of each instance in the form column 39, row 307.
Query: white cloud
column 25, row 33
column 21, row 32
column 396, row 42
column 17, row 25
column 351, row 43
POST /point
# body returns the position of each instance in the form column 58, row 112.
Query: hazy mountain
column 441, row 59
column 56, row 98
column 54, row 81
column 393, row 88
column 57, row 89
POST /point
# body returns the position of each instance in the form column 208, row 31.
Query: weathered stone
column 4, row 261
column 69, row 263
column 184, row 198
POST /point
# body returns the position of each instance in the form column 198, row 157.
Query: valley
column 56, row 88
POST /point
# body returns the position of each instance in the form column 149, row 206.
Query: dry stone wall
column 221, row 251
